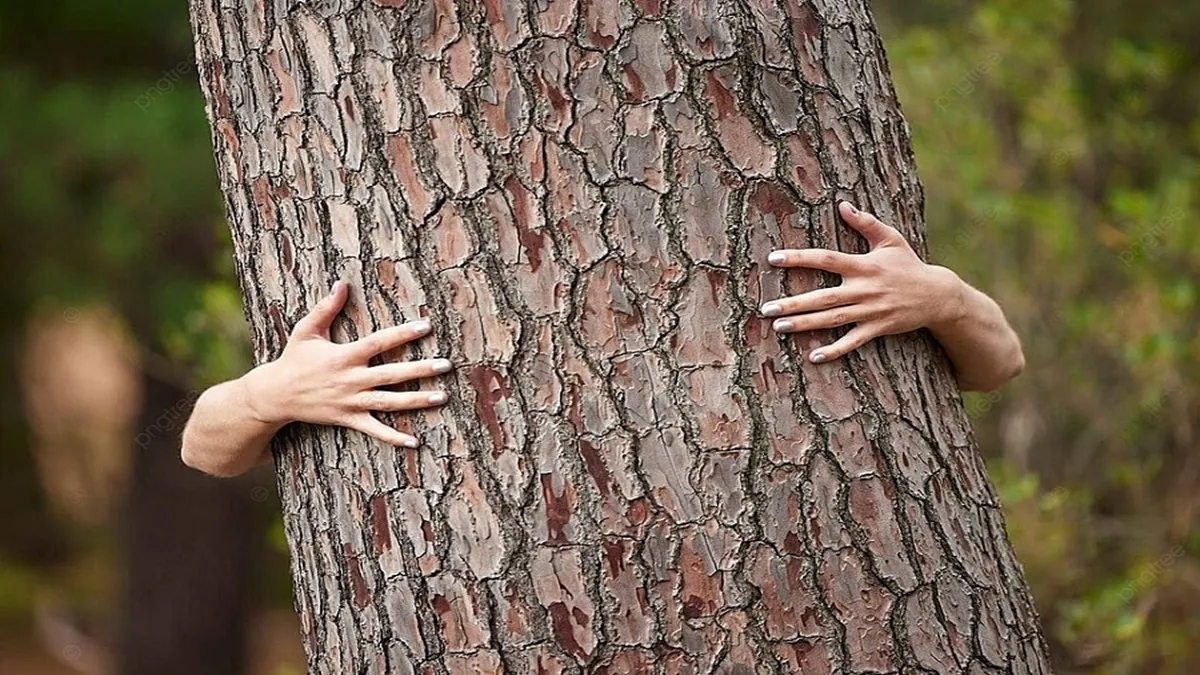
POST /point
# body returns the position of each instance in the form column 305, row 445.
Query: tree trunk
column 189, row 546
column 634, row 474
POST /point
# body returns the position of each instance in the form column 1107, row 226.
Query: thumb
column 317, row 322
column 875, row 231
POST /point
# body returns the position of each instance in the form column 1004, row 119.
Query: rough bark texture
column 635, row 474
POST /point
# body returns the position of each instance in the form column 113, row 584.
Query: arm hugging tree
column 634, row 472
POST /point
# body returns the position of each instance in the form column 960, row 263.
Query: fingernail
column 422, row 327
column 437, row 397
column 816, row 357
column 442, row 366
column 853, row 208
column 771, row 309
column 776, row 258
column 782, row 326
column 412, row 443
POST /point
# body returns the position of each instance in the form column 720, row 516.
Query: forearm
column 226, row 435
column 982, row 346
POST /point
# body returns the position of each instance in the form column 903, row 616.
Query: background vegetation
column 1058, row 142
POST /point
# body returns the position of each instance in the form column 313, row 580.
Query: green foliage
column 17, row 587
column 1058, row 148
column 117, row 194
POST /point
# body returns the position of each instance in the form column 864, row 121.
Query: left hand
column 886, row 291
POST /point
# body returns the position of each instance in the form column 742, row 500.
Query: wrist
column 950, row 292
column 264, row 396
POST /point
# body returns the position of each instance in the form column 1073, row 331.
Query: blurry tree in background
column 1058, row 142
column 111, row 202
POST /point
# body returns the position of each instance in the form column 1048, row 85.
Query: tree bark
column 634, row 474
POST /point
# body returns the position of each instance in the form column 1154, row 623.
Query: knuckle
column 370, row 400
column 871, row 289
column 373, row 342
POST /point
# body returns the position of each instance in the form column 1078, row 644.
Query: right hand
column 319, row 381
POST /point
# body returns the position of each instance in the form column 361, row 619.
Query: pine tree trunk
column 635, row 474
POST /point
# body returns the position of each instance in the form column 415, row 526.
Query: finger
column 823, row 298
column 395, row 401
column 830, row 318
column 857, row 337
column 397, row 373
column 317, row 322
column 816, row 258
column 376, row 429
column 874, row 230
column 389, row 338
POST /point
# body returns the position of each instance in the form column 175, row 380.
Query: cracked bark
column 635, row 475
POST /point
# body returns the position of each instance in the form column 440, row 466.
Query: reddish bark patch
column 278, row 324
column 494, row 11
column 442, row 606
column 805, row 25
column 411, row 468
column 564, row 629
column 558, row 508
column 217, row 87
column 261, row 191
column 614, row 555
column 560, row 103
column 227, row 131
column 723, row 102
column 639, row 511
column 636, row 87
column 792, row 544
column 404, row 167
column 652, row 8
column 533, row 242
column 770, row 199
column 490, row 388
column 358, row 583
column 287, row 253
column 380, row 529
column 596, row 467
column 701, row 591
column 626, row 662
column 289, row 100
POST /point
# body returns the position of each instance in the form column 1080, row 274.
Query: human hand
column 319, row 381
column 886, row 291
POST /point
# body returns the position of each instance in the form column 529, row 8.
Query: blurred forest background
column 1058, row 142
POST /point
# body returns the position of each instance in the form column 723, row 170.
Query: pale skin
column 886, row 291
